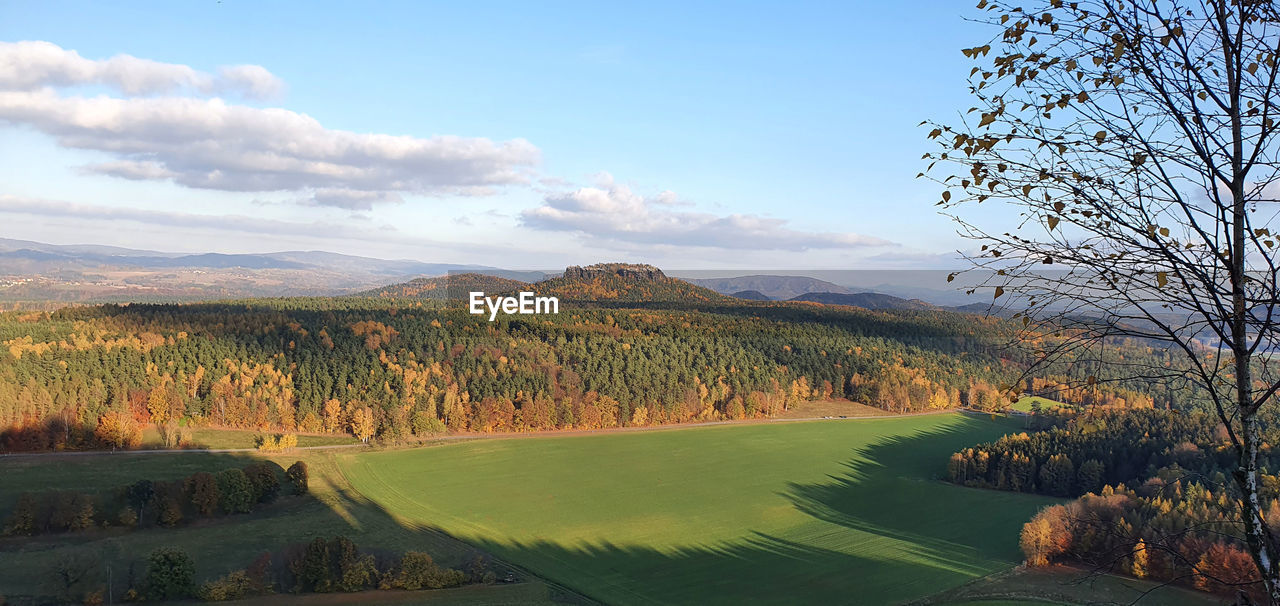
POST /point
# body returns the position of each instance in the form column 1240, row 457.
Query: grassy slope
column 1024, row 404
column 223, row 544
column 824, row 510
column 770, row 512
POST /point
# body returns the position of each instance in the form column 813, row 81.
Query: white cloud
column 254, row 80
column 353, row 199
column 32, row 64
column 614, row 212
column 233, row 223
column 208, row 143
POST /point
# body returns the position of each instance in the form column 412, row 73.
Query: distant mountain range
column 36, row 272
column 37, row 256
column 39, row 272
column 867, row 300
column 777, row 288
column 632, row 283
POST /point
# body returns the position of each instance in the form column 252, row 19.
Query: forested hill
column 453, row 287
column 624, row 282
column 377, row 367
column 779, row 288
column 867, row 300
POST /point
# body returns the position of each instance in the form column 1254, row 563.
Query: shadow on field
column 951, row 526
column 924, row 537
column 64, row 567
column 951, row 535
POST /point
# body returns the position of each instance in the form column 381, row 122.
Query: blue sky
column 718, row 135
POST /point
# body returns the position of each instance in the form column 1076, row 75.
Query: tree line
column 1169, row 529
column 91, row 377
column 1072, row 452
column 156, row 503
column 323, row 565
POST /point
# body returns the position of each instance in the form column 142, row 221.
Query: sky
column 524, row 135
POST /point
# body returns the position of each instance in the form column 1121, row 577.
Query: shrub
column 81, row 512
column 236, row 585
column 477, row 567
column 426, row 424
column 139, row 495
column 203, row 488
column 23, row 520
column 415, row 568
column 127, row 517
column 263, row 481
column 311, row 567
column 265, row 443
column 170, row 498
column 359, row 574
column 69, row 576
column 276, row 442
column 419, row 571
column 259, row 572
column 333, row 565
column 170, row 511
column 173, row 436
column 297, row 474
column 58, row 506
column 235, row 492
column 169, row 574
column 118, row 430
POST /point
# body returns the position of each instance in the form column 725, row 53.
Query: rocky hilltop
column 630, row 271
column 616, row 282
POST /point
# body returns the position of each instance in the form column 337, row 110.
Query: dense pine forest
column 1074, row 453
column 381, row 370
column 392, row 368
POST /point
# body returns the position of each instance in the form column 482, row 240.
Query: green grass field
column 223, row 544
column 841, row 511
column 1024, row 404
column 835, row 511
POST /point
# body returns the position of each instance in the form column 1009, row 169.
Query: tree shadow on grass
column 946, row 521
column 108, row 558
column 914, row 536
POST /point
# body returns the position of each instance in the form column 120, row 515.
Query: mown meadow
column 835, row 511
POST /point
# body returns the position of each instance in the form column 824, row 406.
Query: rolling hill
column 751, row 295
column 623, row 282
column 39, row 272
column 453, row 287
column 779, row 288
column 865, row 300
